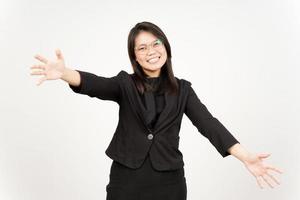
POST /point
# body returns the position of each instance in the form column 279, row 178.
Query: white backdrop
column 242, row 58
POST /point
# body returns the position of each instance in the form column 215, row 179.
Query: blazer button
column 150, row 136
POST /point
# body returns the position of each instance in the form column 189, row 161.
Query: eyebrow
column 150, row 42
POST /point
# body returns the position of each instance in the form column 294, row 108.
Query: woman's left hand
column 254, row 164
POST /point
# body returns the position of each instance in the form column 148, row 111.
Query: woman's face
column 150, row 53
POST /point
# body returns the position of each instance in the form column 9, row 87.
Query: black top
column 159, row 101
column 132, row 140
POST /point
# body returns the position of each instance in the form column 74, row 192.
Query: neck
column 152, row 74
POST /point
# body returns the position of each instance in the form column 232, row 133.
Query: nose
column 150, row 50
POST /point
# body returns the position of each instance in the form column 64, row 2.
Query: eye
column 157, row 42
column 141, row 48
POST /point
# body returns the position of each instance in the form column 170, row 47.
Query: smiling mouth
column 153, row 60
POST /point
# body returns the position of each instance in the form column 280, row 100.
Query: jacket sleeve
column 105, row 88
column 208, row 125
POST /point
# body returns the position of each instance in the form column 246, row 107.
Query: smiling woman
column 150, row 55
column 147, row 162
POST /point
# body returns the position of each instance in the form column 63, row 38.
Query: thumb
column 59, row 54
column 41, row 80
column 264, row 155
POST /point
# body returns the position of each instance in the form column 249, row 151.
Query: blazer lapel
column 164, row 116
column 135, row 101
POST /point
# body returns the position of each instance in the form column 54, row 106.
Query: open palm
column 256, row 167
column 51, row 70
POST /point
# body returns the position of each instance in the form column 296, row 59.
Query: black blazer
column 132, row 139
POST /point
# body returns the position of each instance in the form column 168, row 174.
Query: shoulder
column 124, row 78
column 184, row 85
column 183, row 81
column 122, row 75
column 125, row 74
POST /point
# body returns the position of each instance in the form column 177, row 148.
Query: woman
column 147, row 163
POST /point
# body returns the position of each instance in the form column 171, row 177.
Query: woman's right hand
column 51, row 70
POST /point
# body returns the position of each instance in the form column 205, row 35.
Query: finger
column 41, row 58
column 59, row 54
column 41, row 80
column 274, row 169
column 264, row 155
column 273, row 178
column 259, row 182
column 37, row 67
column 267, row 181
column 38, row 73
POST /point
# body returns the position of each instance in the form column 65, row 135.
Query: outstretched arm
column 225, row 142
column 105, row 88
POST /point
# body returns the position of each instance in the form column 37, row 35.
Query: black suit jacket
column 132, row 140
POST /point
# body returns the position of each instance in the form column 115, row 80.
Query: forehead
column 144, row 38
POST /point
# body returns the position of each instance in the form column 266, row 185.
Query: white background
column 242, row 58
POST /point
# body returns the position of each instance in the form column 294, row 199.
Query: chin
column 153, row 68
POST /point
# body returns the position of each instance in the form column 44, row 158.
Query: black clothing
column 133, row 140
column 146, row 182
column 153, row 100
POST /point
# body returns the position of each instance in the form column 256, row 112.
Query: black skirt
column 145, row 183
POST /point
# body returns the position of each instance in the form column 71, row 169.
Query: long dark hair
column 169, row 82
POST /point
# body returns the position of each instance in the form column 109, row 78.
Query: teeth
column 153, row 60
